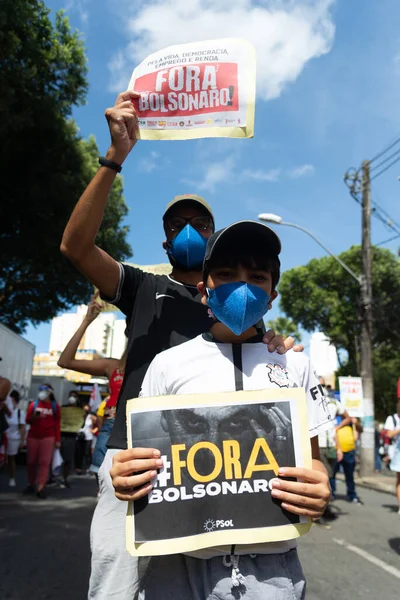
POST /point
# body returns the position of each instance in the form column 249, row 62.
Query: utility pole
column 367, row 458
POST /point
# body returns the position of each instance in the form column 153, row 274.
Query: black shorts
column 68, row 445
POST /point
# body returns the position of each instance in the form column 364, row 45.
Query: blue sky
column 327, row 97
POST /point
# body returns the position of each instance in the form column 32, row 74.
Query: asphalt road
column 44, row 546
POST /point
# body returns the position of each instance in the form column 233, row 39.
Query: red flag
column 398, row 387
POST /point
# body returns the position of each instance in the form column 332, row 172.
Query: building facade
column 323, row 357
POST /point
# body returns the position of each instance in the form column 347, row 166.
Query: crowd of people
column 198, row 330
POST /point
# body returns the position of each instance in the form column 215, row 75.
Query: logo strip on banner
column 197, row 90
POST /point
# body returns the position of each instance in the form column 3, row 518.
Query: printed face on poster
column 197, row 90
column 220, row 453
column 351, row 395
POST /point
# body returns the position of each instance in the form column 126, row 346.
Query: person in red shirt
column 44, row 417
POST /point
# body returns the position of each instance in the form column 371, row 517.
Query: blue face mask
column 238, row 305
column 188, row 248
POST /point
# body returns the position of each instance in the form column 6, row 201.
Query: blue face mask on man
column 238, row 305
column 188, row 248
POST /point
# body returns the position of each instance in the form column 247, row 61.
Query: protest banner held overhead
column 197, row 90
column 220, row 453
column 71, row 419
column 351, row 395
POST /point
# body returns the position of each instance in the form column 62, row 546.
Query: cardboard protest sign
column 71, row 419
column 220, row 452
column 197, row 90
column 351, row 395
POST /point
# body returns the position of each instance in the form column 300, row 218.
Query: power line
column 385, row 160
column 385, row 212
column 353, row 181
column 385, row 219
column 385, row 169
column 387, row 241
column 392, row 145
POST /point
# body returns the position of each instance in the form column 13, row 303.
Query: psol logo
column 211, row 525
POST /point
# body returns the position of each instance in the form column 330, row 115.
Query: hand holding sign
column 308, row 497
column 94, row 308
column 123, row 124
column 196, row 90
column 142, row 461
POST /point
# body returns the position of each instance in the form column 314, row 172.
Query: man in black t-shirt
column 163, row 311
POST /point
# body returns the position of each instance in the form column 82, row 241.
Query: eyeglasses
column 198, row 223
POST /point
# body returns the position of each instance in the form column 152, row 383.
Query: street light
column 271, row 218
column 367, row 439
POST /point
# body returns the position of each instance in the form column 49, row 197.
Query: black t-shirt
column 162, row 313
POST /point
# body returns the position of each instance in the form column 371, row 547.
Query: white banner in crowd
column 351, row 395
column 197, row 90
column 95, row 398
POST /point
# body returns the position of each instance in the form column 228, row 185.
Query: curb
column 384, row 488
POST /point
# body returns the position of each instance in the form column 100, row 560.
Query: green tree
column 44, row 165
column 322, row 296
column 284, row 326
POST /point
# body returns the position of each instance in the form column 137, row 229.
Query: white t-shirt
column 202, row 366
column 327, row 438
column 392, row 423
column 13, row 431
column 86, row 429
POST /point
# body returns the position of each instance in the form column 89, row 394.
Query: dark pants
column 349, row 464
column 83, row 454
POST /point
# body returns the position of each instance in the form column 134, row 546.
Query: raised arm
column 97, row 366
column 78, row 242
column 346, row 420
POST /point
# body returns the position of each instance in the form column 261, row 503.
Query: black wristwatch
column 104, row 162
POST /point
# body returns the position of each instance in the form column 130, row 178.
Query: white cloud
column 286, row 33
column 301, row 171
column 79, row 7
column 215, row 173
column 228, row 171
column 148, row 164
column 260, row 175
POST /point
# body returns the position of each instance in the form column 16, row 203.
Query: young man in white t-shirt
column 240, row 273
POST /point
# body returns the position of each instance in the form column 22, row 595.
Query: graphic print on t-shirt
column 278, row 374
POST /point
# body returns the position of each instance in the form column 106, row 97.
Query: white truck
column 16, row 362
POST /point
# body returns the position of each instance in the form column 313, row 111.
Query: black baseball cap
column 253, row 230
